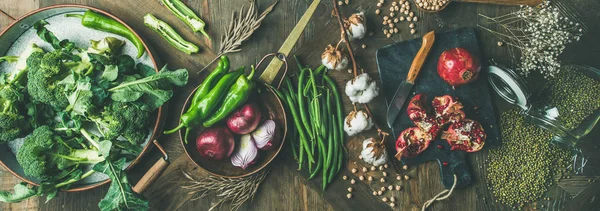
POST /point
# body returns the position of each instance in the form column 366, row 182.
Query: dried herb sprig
column 539, row 33
column 242, row 26
column 236, row 191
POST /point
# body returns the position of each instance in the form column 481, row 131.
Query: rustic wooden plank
column 284, row 184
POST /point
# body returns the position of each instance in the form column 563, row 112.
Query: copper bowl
column 271, row 108
column 13, row 32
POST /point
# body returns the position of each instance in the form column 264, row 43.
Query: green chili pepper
column 211, row 80
column 93, row 20
column 236, row 96
column 202, row 109
column 185, row 14
column 169, row 34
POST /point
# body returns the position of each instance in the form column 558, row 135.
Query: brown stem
column 345, row 37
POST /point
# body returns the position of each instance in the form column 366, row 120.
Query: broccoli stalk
column 46, row 155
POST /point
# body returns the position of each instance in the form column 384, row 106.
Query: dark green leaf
column 49, row 37
column 131, row 90
column 120, row 195
column 126, row 64
column 145, row 70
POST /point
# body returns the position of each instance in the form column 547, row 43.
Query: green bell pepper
column 93, row 20
column 211, row 80
column 202, row 109
column 185, row 14
column 236, row 96
column 169, row 34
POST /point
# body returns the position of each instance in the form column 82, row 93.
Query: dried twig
column 242, row 26
column 236, row 191
column 340, row 19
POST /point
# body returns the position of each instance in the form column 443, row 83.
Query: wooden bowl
column 21, row 25
column 271, row 108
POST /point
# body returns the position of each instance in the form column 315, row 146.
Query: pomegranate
column 457, row 67
column 417, row 112
column 411, row 142
column 215, row 143
column 447, row 109
column 245, row 119
column 466, row 135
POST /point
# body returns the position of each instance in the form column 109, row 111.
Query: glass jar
column 562, row 117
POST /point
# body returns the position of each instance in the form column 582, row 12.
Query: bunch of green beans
column 315, row 106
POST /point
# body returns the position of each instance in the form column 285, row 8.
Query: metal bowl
column 271, row 108
column 20, row 26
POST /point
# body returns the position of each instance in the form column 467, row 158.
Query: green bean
column 301, row 104
column 338, row 153
column 338, row 104
column 315, row 96
column 300, row 129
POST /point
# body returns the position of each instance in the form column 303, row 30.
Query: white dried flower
column 356, row 26
column 356, row 122
column 362, row 89
column 374, row 153
column 540, row 33
column 334, row 59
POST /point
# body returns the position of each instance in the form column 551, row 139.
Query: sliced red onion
column 246, row 154
column 264, row 135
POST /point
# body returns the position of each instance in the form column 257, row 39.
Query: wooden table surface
column 285, row 188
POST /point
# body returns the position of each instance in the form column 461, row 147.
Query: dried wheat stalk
column 236, row 191
column 242, row 26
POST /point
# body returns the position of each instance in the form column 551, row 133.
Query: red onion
column 215, row 143
column 264, row 135
column 245, row 119
column 246, row 154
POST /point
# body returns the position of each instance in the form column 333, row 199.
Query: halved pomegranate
column 417, row 112
column 411, row 142
column 447, row 109
column 466, row 135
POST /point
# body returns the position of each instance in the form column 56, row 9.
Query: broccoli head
column 45, row 73
column 45, row 154
column 13, row 123
column 135, row 120
column 123, row 119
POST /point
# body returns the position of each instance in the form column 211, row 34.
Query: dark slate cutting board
column 394, row 61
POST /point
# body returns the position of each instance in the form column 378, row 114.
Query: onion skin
column 216, row 143
column 245, row 119
column 246, row 153
column 265, row 135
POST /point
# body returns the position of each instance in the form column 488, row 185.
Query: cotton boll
column 334, row 59
column 357, row 122
column 362, row 89
column 374, row 152
column 356, row 27
column 368, row 94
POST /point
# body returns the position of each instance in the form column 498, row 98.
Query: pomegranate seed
column 445, row 163
column 440, row 146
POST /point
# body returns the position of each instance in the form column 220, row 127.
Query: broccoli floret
column 123, row 119
column 45, row 72
column 45, row 154
column 135, row 121
column 22, row 62
column 13, row 123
